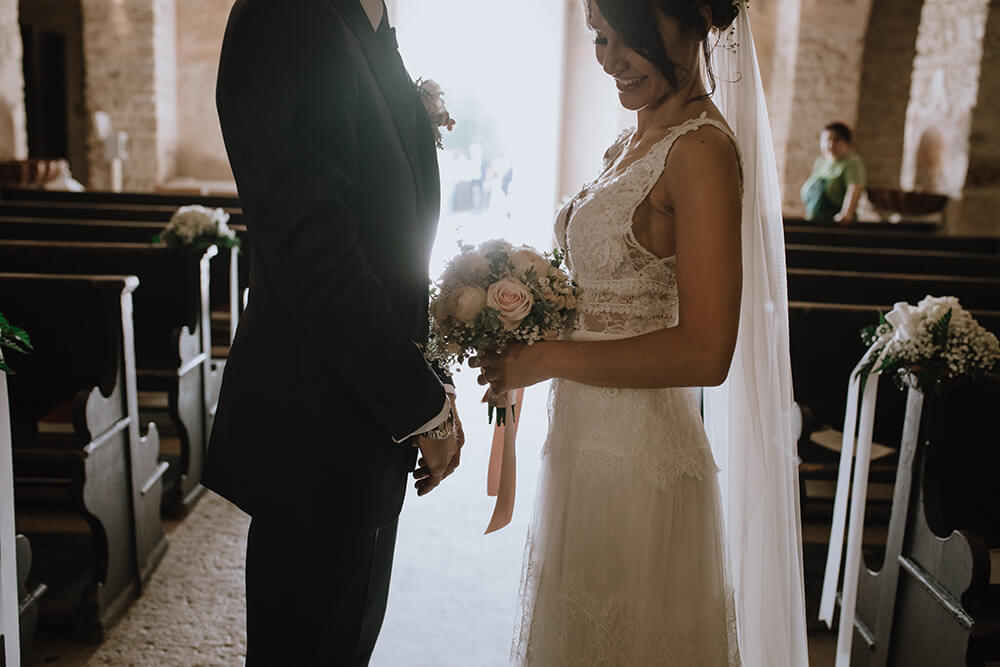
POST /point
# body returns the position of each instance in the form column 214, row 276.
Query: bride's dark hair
column 636, row 22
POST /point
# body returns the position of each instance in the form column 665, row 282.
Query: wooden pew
column 29, row 595
column 879, row 260
column 884, row 289
column 104, row 197
column 230, row 276
column 176, row 372
column 825, row 345
column 930, row 602
column 882, row 237
column 78, row 450
column 68, row 209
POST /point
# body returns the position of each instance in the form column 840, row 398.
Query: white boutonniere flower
column 433, row 98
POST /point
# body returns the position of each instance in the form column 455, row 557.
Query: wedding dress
column 625, row 563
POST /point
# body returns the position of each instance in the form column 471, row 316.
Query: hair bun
column 724, row 12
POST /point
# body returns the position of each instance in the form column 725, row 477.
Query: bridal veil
column 749, row 419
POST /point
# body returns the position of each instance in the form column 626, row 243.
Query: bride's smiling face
column 641, row 83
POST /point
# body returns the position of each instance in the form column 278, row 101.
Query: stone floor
column 454, row 591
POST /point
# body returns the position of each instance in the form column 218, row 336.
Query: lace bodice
column 625, row 290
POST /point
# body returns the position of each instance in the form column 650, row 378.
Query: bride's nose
column 615, row 59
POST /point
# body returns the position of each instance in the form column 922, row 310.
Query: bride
column 677, row 248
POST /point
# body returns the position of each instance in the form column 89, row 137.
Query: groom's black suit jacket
column 336, row 167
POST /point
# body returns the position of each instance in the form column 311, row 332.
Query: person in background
column 834, row 188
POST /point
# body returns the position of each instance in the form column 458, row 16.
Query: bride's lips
column 626, row 83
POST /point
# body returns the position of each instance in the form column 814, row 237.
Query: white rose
column 905, row 320
column 496, row 245
column 466, row 268
column 512, row 299
column 934, row 307
column 525, row 259
column 466, row 302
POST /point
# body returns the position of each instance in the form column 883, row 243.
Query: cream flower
column 525, row 259
column 512, row 299
column 466, row 302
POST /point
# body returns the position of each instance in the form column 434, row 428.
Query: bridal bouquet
column 497, row 294
column 924, row 345
column 198, row 227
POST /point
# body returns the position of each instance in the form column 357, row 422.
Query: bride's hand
column 518, row 366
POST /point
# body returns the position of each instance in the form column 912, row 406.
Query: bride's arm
column 702, row 182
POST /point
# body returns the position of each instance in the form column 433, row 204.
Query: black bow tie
column 387, row 34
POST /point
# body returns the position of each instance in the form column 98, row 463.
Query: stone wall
column 13, row 132
column 831, row 36
column 201, row 25
column 130, row 58
column 889, row 50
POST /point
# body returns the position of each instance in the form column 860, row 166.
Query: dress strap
column 694, row 124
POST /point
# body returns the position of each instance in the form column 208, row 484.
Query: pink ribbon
column 502, row 475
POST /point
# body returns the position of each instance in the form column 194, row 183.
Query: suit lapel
column 392, row 78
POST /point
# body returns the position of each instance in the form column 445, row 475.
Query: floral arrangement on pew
column 198, row 227
column 926, row 345
column 13, row 338
column 494, row 295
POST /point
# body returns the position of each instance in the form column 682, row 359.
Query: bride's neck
column 671, row 110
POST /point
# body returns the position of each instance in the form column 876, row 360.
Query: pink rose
column 512, row 299
column 466, row 302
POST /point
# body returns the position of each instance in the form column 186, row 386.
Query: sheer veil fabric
column 749, row 418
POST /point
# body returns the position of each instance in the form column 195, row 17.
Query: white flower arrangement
column 924, row 346
column 433, row 98
column 199, row 227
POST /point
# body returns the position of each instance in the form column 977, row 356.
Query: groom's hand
column 439, row 458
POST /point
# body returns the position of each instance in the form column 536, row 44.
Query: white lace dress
column 625, row 563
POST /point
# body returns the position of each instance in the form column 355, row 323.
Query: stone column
column 201, row 25
column 13, row 124
column 889, row 49
column 981, row 195
column 130, row 53
column 827, row 66
column 943, row 95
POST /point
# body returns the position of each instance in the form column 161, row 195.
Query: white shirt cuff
column 450, row 390
column 434, row 423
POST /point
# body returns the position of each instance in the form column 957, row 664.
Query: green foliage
column 13, row 338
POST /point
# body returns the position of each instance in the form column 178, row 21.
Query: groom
column 326, row 398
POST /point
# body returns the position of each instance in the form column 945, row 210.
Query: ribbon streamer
column 501, row 478
column 857, row 443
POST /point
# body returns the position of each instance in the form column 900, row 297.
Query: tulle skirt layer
column 625, row 563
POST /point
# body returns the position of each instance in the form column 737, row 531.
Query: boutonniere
column 433, row 98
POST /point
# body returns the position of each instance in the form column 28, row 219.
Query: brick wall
column 13, row 133
column 130, row 62
column 201, row 25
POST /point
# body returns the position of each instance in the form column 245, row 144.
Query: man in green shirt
column 838, row 177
